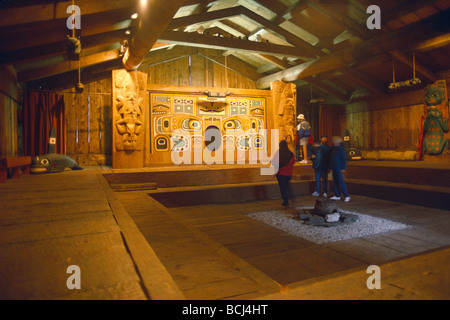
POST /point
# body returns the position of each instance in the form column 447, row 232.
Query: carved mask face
column 434, row 96
column 130, row 124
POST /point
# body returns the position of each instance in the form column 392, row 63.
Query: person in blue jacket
column 321, row 163
column 338, row 163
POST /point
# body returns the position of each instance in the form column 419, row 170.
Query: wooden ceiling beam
column 402, row 9
column 36, row 34
column 60, row 48
column 307, row 48
column 155, row 18
column 328, row 89
column 55, row 10
column 24, row 3
column 292, row 10
column 67, row 66
column 204, row 17
column 329, row 10
column 69, row 79
column 282, row 64
column 222, row 43
column 432, row 44
column 400, row 39
column 363, row 80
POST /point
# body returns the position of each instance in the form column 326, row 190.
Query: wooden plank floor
column 49, row 222
column 187, row 240
column 202, row 268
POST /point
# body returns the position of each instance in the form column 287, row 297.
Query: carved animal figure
column 53, row 162
column 435, row 125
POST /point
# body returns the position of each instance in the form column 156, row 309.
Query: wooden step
column 230, row 193
column 409, row 173
column 422, row 195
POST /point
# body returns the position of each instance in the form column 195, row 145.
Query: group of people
column 325, row 159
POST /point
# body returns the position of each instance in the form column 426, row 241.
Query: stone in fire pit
column 326, row 213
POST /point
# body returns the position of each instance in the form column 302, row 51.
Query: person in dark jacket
column 321, row 163
column 286, row 160
column 338, row 163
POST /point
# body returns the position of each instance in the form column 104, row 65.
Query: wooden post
column 129, row 103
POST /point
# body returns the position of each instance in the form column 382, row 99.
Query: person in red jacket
column 286, row 161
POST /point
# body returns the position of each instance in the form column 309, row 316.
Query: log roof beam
column 401, row 39
column 226, row 43
column 155, row 17
column 40, row 11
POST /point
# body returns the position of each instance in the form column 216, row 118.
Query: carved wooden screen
column 179, row 122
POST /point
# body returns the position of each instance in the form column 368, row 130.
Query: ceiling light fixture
column 134, row 16
column 143, row 3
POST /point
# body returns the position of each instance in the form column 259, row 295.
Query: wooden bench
column 15, row 164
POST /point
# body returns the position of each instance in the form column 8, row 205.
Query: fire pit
column 331, row 225
column 326, row 213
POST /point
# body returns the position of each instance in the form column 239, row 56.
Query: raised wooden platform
column 14, row 164
column 200, row 175
column 435, row 174
column 415, row 182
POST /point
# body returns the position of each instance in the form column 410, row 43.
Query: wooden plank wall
column 390, row 122
column 8, row 126
column 88, row 123
column 89, row 115
column 8, row 112
column 385, row 129
column 201, row 68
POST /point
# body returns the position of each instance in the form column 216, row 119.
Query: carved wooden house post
column 129, row 118
column 285, row 111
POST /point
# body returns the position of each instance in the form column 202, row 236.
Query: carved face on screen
column 129, row 124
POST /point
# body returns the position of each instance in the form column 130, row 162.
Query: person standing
column 304, row 132
column 321, row 163
column 338, row 163
column 286, row 161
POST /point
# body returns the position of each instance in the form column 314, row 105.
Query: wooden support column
column 155, row 17
column 130, row 99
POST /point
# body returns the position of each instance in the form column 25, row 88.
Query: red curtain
column 41, row 112
column 329, row 122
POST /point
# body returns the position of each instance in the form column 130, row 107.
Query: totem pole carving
column 129, row 96
column 285, row 105
column 437, row 119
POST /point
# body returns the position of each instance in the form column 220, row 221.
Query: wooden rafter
column 39, row 12
column 400, row 39
column 60, row 48
column 204, row 17
column 68, row 65
column 224, row 43
column 36, row 34
column 155, row 18
column 329, row 9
